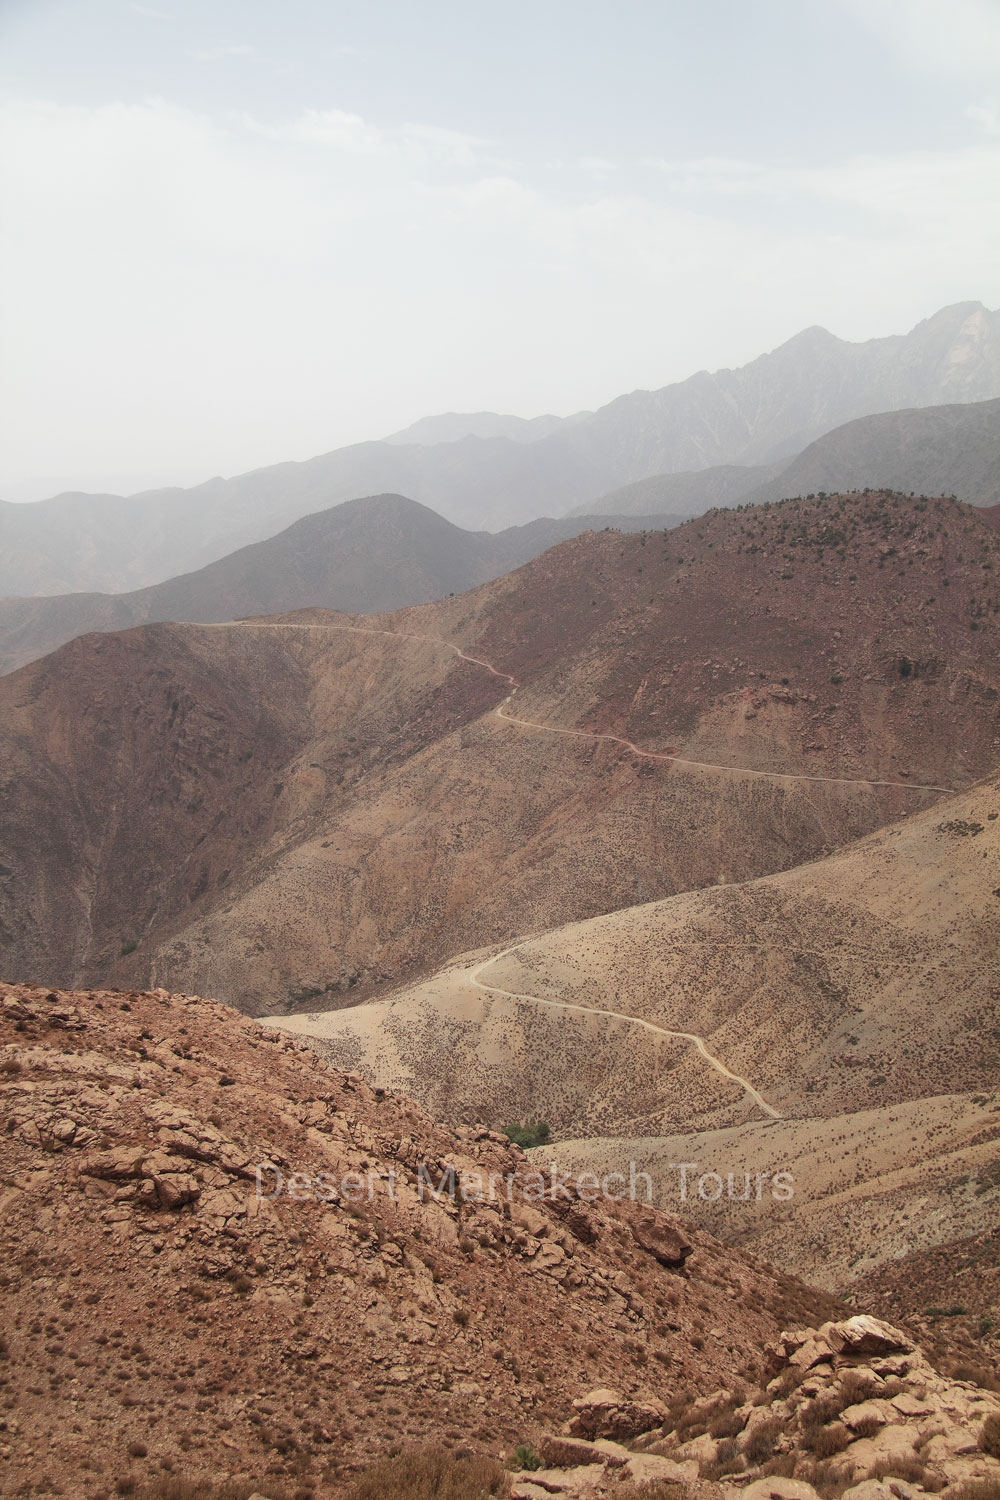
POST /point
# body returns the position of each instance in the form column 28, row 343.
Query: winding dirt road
column 586, row 734
column 617, row 739
column 617, row 1015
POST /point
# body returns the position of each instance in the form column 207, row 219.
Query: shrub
column 788, row 1381
column 728, row 1460
column 977, row 1489
column 659, row 1489
column 910, row 1469
column 430, row 1474
column 989, row 1438
column 854, row 1387
column 830, row 1440
column 527, row 1136
column 816, row 1414
column 763, row 1440
column 782, row 1466
column 975, row 1374
column 525, row 1457
column 128, row 948
column 726, row 1425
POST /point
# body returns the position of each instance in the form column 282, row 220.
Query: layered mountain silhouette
column 382, row 552
column 938, row 450
column 768, row 410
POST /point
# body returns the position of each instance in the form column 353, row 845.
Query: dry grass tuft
column 656, row 1489
column 763, row 1440
column 431, row 1474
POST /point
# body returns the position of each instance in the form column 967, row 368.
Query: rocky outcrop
column 606, row 1413
column 852, row 1407
column 663, row 1240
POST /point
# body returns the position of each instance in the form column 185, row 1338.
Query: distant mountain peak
column 455, row 427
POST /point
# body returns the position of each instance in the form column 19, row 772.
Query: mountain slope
column 275, row 809
column 161, row 1317
column 778, row 403
column 769, row 409
column 857, row 995
column 862, row 980
column 107, row 543
column 691, row 493
column 943, row 450
column 382, row 552
column 937, row 450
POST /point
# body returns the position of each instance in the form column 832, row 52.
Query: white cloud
column 344, row 132
column 956, row 39
column 147, row 10
column 220, row 54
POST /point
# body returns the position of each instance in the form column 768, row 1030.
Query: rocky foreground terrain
column 163, row 1323
column 160, row 1317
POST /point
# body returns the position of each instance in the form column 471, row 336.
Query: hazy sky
column 239, row 231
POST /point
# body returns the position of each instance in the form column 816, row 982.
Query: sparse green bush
column 525, row 1457
column 528, row 1136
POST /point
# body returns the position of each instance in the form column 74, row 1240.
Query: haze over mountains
column 937, row 450
column 759, row 414
column 377, row 553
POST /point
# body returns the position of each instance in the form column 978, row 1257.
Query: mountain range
column 766, row 411
column 343, row 784
column 937, row 450
column 376, row 553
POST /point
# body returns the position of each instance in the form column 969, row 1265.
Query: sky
column 235, row 232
